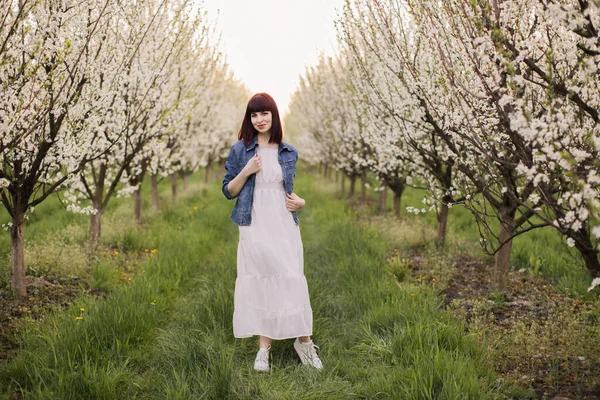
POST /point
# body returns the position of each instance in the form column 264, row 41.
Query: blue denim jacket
column 239, row 155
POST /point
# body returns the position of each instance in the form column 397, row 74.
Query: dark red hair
column 261, row 102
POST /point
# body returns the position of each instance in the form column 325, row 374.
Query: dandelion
column 116, row 253
column 78, row 318
column 195, row 208
column 153, row 304
column 146, row 250
column 153, row 251
column 82, row 309
column 129, row 279
column 413, row 295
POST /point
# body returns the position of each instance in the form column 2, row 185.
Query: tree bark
column 186, row 180
column 352, row 186
column 97, row 198
column 343, row 184
column 502, row 259
column 397, row 199
column 442, row 223
column 174, row 185
column 363, row 189
column 587, row 250
column 95, row 229
column 337, row 176
column 17, row 255
column 138, row 204
column 383, row 200
column 207, row 173
column 154, row 192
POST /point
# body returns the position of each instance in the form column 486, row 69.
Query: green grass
column 541, row 251
column 378, row 338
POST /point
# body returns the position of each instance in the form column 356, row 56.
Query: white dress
column 271, row 294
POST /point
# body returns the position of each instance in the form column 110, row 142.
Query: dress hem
column 247, row 335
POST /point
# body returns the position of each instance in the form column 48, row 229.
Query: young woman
column 271, row 294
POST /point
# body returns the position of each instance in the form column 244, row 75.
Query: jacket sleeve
column 231, row 172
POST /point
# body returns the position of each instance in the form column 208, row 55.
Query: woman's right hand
column 253, row 166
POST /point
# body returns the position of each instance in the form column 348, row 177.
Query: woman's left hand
column 293, row 202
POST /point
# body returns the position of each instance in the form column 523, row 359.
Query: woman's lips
column 262, row 126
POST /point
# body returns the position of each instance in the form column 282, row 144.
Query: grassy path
column 169, row 333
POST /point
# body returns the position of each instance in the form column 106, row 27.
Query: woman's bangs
column 258, row 104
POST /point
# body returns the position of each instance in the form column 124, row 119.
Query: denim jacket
column 239, row 155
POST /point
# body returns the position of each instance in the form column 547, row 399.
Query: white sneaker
column 308, row 353
column 261, row 362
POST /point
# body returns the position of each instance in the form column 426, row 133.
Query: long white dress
column 271, row 294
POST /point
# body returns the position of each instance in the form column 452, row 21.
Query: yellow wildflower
column 153, row 251
column 82, row 309
column 412, row 294
column 78, row 318
column 116, row 253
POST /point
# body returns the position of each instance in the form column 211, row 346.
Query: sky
column 269, row 43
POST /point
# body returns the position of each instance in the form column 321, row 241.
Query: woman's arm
column 235, row 185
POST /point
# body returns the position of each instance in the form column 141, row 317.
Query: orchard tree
column 49, row 57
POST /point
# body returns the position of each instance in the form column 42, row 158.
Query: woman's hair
column 261, row 102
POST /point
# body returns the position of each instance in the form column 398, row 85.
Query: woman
column 271, row 294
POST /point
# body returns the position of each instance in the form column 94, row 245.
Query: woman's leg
column 264, row 341
column 304, row 339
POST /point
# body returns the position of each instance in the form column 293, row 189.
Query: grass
column 541, row 251
column 167, row 333
column 542, row 334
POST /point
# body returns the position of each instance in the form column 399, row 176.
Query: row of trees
column 491, row 104
column 96, row 94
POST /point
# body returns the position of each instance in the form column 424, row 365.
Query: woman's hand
column 253, row 166
column 293, row 202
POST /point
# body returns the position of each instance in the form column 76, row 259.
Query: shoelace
column 263, row 356
column 312, row 353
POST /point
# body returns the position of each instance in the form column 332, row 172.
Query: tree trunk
column 174, row 185
column 95, row 228
column 138, row 203
column 97, row 204
column 325, row 170
column 337, row 176
column 186, row 180
column 343, row 184
column 17, row 255
column 442, row 223
column 502, row 260
column 352, row 186
column 207, row 173
column 363, row 189
column 154, row 192
column 397, row 199
column 383, row 199
column 587, row 250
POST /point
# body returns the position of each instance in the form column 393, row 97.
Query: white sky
column 269, row 43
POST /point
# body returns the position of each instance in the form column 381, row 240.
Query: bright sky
column 269, row 43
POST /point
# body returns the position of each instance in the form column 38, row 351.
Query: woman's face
column 261, row 121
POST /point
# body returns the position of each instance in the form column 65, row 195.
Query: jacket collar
column 253, row 143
